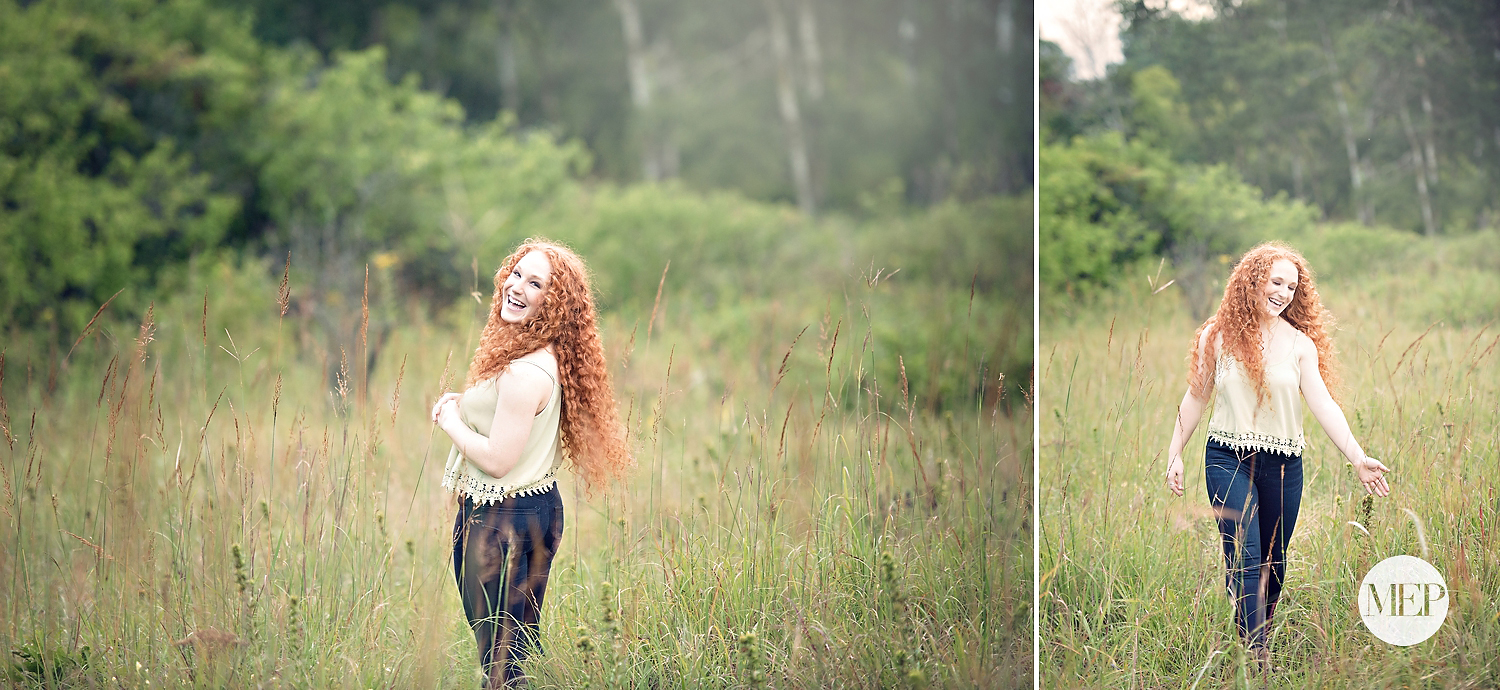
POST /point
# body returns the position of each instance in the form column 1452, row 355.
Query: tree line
column 812, row 102
column 137, row 134
column 1377, row 113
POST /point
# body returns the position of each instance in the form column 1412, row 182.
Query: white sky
column 1089, row 30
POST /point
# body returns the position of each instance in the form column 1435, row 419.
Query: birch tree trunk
column 1356, row 178
column 791, row 116
column 812, row 53
column 640, row 84
column 1430, row 149
column 505, row 57
column 1296, row 174
column 1005, row 27
column 1428, row 224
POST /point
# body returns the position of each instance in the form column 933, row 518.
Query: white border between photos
column 1036, row 348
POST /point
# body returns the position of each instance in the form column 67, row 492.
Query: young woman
column 1267, row 343
column 539, row 396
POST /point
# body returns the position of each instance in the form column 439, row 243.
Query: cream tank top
column 1276, row 424
column 534, row 473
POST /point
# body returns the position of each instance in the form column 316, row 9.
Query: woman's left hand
column 1371, row 474
column 442, row 407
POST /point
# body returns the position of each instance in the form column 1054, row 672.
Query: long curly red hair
column 1238, row 321
column 592, row 436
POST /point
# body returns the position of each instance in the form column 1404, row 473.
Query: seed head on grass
column 242, row 581
column 606, row 601
column 396, row 395
column 586, row 647
column 294, row 618
column 906, row 658
column 750, row 654
column 148, row 332
column 611, row 627
column 284, row 293
column 239, row 568
column 343, row 381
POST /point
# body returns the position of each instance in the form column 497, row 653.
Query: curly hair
column 1238, row 319
column 592, row 436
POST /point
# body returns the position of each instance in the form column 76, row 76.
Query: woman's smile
column 524, row 287
column 1281, row 286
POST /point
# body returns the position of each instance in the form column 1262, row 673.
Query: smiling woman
column 1267, row 344
column 510, row 431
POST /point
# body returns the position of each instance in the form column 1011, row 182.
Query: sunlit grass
column 187, row 503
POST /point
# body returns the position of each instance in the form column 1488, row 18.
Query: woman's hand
column 437, row 408
column 1371, row 474
column 1174, row 475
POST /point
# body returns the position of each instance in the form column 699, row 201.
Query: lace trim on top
column 1252, row 441
column 484, row 492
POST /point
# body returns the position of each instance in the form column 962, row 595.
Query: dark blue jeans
column 1255, row 495
column 502, row 555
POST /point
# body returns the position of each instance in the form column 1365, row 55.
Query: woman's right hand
column 1371, row 474
column 436, row 407
column 1174, row 475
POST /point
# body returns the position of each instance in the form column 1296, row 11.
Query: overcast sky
column 1089, row 30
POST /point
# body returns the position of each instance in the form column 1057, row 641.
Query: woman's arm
column 522, row 393
column 1189, row 413
column 1332, row 419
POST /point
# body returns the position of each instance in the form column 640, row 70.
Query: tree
column 93, row 199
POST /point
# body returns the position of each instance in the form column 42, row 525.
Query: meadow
column 1131, row 578
column 187, row 502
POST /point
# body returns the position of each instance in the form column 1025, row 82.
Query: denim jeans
column 1255, row 495
column 502, row 555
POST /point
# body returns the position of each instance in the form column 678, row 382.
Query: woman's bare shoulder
column 540, row 359
column 1302, row 344
column 1208, row 334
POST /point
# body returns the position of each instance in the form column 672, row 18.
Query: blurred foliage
column 934, row 94
column 721, row 246
column 93, row 199
column 1380, row 112
column 147, row 142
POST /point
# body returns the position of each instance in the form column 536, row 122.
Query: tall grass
column 185, row 503
column 1132, row 578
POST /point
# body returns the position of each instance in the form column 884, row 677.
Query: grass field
column 187, row 504
column 1132, row 590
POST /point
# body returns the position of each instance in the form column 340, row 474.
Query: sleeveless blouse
column 1276, row 424
column 536, row 470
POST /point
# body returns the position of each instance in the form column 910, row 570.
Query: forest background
column 244, row 244
column 1366, row 134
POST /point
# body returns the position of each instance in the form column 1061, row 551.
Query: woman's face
column 1281, row 285
column 524, row 287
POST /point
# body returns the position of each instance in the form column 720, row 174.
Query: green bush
column 1108, row 203
column 93, row 199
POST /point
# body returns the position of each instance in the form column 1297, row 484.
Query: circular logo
column 1403, row 600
